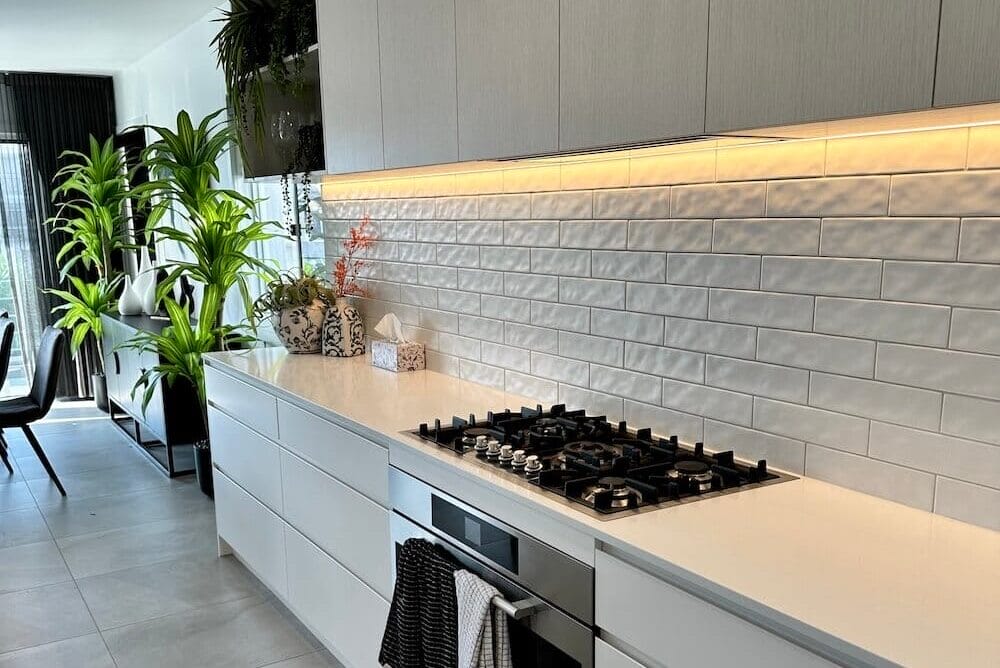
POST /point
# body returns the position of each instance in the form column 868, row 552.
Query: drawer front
column 681, row 630
column 345, row 523
column 254, row 532
column 346, row 615
column 247, row 404
column 606, row 656
column 343, row 454
column 246, row 457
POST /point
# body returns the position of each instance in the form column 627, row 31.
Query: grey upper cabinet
column 349, row 79
column 508, row 77
column 417, row 49
column 772, row 62
column 631, row 71
column 968, row 66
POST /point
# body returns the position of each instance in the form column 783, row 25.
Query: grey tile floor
column 123, row 571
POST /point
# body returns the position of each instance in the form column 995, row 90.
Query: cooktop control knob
column 481, row 444
column 518, row 460
column 532, row 465
column 492, row 448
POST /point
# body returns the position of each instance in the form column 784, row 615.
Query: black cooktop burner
column 600, row 464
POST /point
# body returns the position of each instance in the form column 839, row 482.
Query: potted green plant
column 296, row 306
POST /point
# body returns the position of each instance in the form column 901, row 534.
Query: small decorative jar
column 343, row 330
column 300, row 329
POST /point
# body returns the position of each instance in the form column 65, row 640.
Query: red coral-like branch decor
column 348, row 266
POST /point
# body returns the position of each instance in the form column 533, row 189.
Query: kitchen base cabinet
column 246, row 457
column 680, row 630
column 334, row 604
column 606, row 656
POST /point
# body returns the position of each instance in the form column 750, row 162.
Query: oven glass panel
column 527, row 650
column 495, row 544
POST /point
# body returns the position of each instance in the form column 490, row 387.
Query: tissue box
column 398, row 356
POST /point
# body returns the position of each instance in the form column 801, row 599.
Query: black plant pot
column 203, row 468
column 99, row 386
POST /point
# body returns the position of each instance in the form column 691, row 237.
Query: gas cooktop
column 601, row 465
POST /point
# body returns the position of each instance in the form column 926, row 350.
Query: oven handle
column 519, row 609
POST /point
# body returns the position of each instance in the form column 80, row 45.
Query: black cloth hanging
column 422, row 629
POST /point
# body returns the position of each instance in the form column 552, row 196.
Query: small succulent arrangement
column 296, row 306
column 348, row 267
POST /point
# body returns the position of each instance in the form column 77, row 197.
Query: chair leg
column 42, row 458
column 3, row 453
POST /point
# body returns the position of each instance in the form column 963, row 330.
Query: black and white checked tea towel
column 482, row 628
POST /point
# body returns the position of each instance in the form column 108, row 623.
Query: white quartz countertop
column 904, row 585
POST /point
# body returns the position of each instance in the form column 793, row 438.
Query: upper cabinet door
column 419, row 116
column 631, row 71
column 508, row 77
column 782, row 61
column 968, row 65
column 349, row 81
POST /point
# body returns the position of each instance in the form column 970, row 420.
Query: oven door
column 540, row 634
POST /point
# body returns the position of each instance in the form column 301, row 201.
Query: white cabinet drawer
column 347, row 615
column 246, row 457
column 348, row 525
column 343, row 454
column 680, row 630
column 247, row 404
column 606, row 656
column 254, row 532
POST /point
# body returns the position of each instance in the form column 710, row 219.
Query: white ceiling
column 89, row 35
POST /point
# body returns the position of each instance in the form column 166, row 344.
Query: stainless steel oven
column 548, row 595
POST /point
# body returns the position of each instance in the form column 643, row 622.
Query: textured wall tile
column 436, row 230
column 457, row 256
column 984, row 147
column 439, row 321
column 632, row 203
column 708, row 401
column 480, row 182
column 480, row 232
column 971, row 418
column 870, row 476
column 822, row 276
column 676, row 300
column 389, row 292
column 507, row 357
column 531, row 286
column 460, row 302
column 969, row 503
column 847, row 196
column 481, row 328
column 428, row 337
column 628, row 384
column 506, row 308
column 596, row 403
column 479, row 280
column 531, row 179
column 630, row 265
column 884, row 321
column 539, row 389
column 628, row 326
column 935, row 453
column 400, row 273
column 505, row 207
column 593, row 234
column 757, row 378
column 851, row 357
column 561, row 369
column 592, row 292
column 665, row 422
column 505, row 258
column 475, row 372
column 560, row 261
column 460, row 346
column 446, row 364
column 346, row 209
column 670, row 235
column 976, row 331
column 686, row 167
column 767, row 236
column 533, row 338
column 560, row 316
column 531, row 233
column 593, row 174
column 397, row 230
column 416, row 209
column 456, row 208
column 781, row 453
column 769, row 309
column 423, row 253
column 418, row 296
column 710, row 337
column 724, row 271
column 938, row 283
column 724, row 200
column 843, row 432
column 669, row 362
column 562, row 205
column 948, row 194
column 980, row 240
column 591, row 348
column 771, row 161
column 900, row 238
column 440, row 277
column 873, row 399
column 901, row 152
column 962, row 373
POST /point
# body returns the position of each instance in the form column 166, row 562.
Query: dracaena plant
column 82, row 310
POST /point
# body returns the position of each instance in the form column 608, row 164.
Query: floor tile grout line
column 187, row 611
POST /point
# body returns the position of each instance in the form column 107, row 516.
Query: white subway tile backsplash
column 758, row 378
column 399, row 272
column 417, row 252
column 509, row 309
column 561, row 316
column 899, row 238
column 943, row 283
column 888, row 481
column 531, row 233
column 662, row 361
column 460, row 346
column 842, row 196
column 946, row 370
column 767, row 236
column 533, row 338
column 507, row 357
column 446, row 364
column 481, row 328
column 531, row 286
column 630, row 265
column 708, row 401
column 968, row 417
column 980, row 240
column 627, row 325
column 418, row 295
column 591, row 348
column 437, row 231
column 975, row 331
column 483, row 374
column 835, row 430
column 723, row 271
column 439, row 277
column 946, row 194
column 628, row 384
column 822, row 276
column 908, row 406
column 718, row 200
column 598, row 403
column 599, row 234
column 850, row 357
column 592, row 292
column 781, row 453
column 505, row 207
column 884, row 321
column 670, row 235
column 480, row 232
column 665, row 422
column 632, row 203
column 397, row 230
column 460, row 302
column 456, row 208
column 560, row 368
column 438, row 321
column 710, row 337
column 562, row 205
column 767, row 309
column 539, row 389
column 935, row 453
column 416, row 209
column 967, row 502
column 481, row 280
column 560, row 261
column 675, row 300
column 505, row 258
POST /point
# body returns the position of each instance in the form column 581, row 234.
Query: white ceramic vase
column 129, row 302
column 145, row 274
column 148, row 296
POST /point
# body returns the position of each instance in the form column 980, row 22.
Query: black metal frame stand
column 132, row 428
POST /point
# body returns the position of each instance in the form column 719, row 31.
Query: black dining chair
column 22, row 411
column 6, row 345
